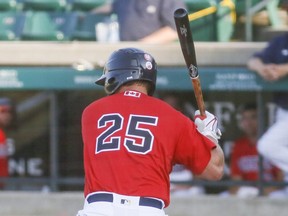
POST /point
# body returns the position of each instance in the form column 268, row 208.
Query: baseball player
column 132, row 140
column 244, row 164
column 5, row 120
column 271, row 64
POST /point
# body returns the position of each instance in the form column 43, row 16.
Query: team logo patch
column 151, row 9
column 132, row 94
column 125, row 201
column 149, row 65
column 183, row 30
column 284, row 52
column 147, row 57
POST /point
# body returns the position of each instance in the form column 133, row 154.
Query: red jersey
column 245, row 162
column 132, row 140
column 3, row 155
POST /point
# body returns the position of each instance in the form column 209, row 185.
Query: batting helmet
column 126, row 65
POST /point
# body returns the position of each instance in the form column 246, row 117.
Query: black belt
column 143, row 201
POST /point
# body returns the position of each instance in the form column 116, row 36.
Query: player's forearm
column 215, row 167
column 255, row 64
column 283, row 70
column 219, row 161
column 163, row 35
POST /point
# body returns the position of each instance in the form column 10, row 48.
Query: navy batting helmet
column 126, row 65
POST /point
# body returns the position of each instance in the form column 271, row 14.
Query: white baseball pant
column 273, row 145
column 112, row 204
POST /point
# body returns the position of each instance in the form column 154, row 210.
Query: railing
column 217, row 79
column 250, row 11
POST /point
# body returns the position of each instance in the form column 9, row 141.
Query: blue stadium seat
column 65, row 22
column 11, row 25
column 49, row 26
column 85, row 30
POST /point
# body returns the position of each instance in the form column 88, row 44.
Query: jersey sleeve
column 193, row 149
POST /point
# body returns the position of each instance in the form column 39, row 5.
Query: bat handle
column 199, row 96
column 202, row 110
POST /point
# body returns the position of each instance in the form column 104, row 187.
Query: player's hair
column 250, row 106
column 148, row 85
column 247, row 106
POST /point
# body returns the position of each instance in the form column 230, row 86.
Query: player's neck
column 135, row 87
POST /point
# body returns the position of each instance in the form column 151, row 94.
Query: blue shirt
column 277, row 53
column 140, row 18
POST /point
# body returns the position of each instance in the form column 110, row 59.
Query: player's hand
column 208, row 126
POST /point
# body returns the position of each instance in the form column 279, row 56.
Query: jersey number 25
column 135, row 130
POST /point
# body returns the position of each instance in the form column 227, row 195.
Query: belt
column 107, row 197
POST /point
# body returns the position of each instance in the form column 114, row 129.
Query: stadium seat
column 211, row 20
column 11, row 25
column 271, row 7
column 195, row 5
column 85, row 5
column 7, row 5
column 65, row 22
column 203, row 25
column 85, row 30
column 44, row 5
column 241, row 7
column 204, row 28
column 48, row 26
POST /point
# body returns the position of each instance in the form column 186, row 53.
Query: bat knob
column 180, row 12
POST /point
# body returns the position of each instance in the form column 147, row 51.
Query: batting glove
column 208, row 126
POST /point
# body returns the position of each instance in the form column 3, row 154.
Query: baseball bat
column 188, row 50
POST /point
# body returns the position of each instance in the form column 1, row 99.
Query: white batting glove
column 208, row 126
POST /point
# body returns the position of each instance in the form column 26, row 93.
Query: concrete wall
column 37, row 53
column 216, row 206
column 68, row 203
column 40, row 204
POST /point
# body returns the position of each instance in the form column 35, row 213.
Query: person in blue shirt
column 271, row 64
column 150, row 21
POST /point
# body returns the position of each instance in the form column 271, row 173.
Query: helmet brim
column 101, row 80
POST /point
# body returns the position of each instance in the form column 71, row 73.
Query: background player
column 6, row 115
column 271, row 64
column 245, row 159
column 131, row 141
